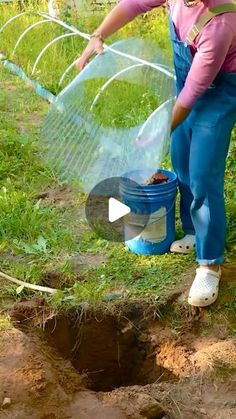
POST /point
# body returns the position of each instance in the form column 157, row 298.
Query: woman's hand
column 115, row 20
column 179, row 115
column 95, row 46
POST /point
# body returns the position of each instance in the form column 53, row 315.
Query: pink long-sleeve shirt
column 214, row 49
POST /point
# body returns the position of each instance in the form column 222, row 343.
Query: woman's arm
column 123, row 13
column 115, row 20
column 212, row 47
column 179, row 114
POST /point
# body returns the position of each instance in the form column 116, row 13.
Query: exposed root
column 27, row 285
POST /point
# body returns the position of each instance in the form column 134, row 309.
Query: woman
column 203, row 35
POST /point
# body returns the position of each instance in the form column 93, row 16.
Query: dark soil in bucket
column 156, row 179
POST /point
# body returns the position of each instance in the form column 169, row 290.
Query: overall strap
column 207, row 16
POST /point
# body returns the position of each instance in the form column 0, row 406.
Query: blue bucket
column 158, row 201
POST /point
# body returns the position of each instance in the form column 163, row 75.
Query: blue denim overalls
column 199, row 149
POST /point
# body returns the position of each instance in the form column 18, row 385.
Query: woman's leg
column 208, row 152
column 209, row 148
column 180, row 154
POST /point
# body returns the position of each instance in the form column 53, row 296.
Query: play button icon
column 117, row 210
column 108, row 214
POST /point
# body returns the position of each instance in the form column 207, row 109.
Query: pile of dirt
column 34, row 378
column 39, row 384
column 196, row 398
column 59, row 196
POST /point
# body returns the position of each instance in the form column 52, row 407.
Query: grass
column 60, row 55
column 121, row 96
column 5, row 323
column 36, row 236
column 222, row 369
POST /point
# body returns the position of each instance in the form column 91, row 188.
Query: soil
column 79, row 264
column 85, row 261
column 60, row 196
column 157, row 178
column 41, row 385
column 117, row 362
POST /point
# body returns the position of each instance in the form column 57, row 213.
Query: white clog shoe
column 205, row 287
column 185, row 245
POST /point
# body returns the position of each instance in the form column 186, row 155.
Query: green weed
column 5, row 323
column 222, row 369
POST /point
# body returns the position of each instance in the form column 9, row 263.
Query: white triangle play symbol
column 117, row 210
